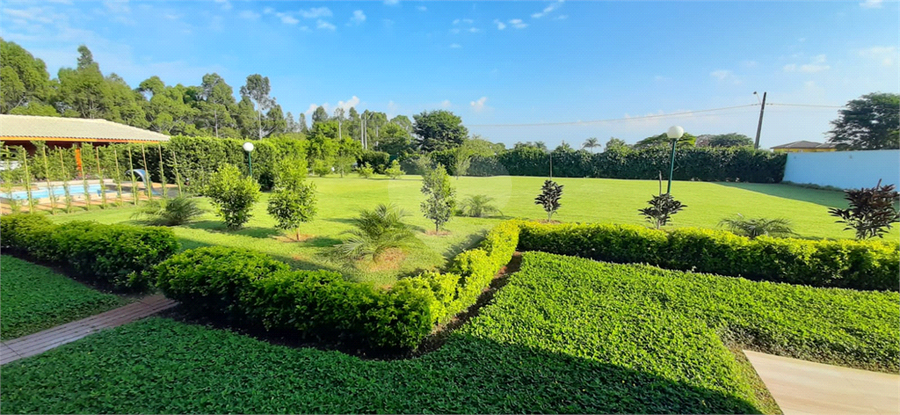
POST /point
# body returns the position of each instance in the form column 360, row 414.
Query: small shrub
column 661, row 209
column 377, row 231
column 233, row 195
column 478, row 206
column 292, row 206
column 551, row 192
column 871, row 211
column 753, row 228
column 365, row 171
column 439, row 196
column 322, row 168
column 169, row 212
column 394, row 171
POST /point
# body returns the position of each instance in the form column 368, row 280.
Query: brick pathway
column 801, row 387
column 37, row 343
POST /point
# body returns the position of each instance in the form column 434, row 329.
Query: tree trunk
column 216, row 115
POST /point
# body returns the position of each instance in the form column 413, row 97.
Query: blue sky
column 502, row 62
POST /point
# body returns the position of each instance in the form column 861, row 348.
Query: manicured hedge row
column 253, row 288
column 116, row 254
column 703, row 164
column 863, row 265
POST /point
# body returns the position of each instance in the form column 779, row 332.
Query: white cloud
column 321, row 24
column 346, row 105
column 454, row 31
column 561, row 17
column 268, row 10
column 884, row 54
column 226, row 5
column 500, row 25
column 421, row 8
column 391, row 2
column 315, row 12
column 170, row 16
column 816, row 65
column 446, row 104
column 473, row 30
column 547, row 10
column 249, row 15
column 720, row 74
column 358, row 17
column 455, row 46
column 871, row 4
column 518, row 24
column 478, row 105
column 117, row 6
column 286, row 19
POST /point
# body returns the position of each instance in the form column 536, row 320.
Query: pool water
column 41, row 193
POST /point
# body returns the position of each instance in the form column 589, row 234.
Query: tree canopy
column 687, row 140
column 438, row 130
column 871, row 122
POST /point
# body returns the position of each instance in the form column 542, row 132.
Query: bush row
column 703, row 164
column 120, row 255
column 252, row 288
column 862, row 265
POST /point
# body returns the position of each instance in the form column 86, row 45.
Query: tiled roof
column 72, row 128
column 805, row 144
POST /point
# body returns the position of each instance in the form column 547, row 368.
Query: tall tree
column 438, row 130
column 339, row 117
column 257, row 89
column 319, row 115
column 687, row 140
column 728, row 140
column 394, row 140
column 591, row 143
column 83, row 92
column 301, row 122
column 25, row 79
column 615, row 144
column 404, row 122
column 218, row 96
column 871, row 122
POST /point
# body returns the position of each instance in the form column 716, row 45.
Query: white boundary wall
column 844, row 169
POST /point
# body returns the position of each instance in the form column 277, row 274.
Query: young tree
column 394, row 171
column 661, row 209
column 591, row 143
column 233, row 195
column 871, row 122
column 871, row 210
column 551, row 192
column 376, row 231
column 294, row 200
column 439, row 196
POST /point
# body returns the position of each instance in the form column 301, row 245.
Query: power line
column 808, row 105
column 643, row 117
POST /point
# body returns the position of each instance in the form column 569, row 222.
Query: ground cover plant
column 564, row 335
column 36, row 298
column 341, row 200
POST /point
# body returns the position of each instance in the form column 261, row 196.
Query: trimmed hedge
column 862, row 265
column 703, row 164
column 252, row 288
column 116, row 254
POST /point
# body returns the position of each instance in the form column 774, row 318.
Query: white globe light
column 674, row 132
column 248, row 146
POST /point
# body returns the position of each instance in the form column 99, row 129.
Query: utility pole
column 762, row 109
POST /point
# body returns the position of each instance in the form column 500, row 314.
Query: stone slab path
column 801, row 387
column 40, row 342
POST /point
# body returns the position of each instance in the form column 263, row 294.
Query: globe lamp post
column 675, row 132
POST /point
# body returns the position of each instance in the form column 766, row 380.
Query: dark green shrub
column 871, row 211
column 753, row 228
column 661, row 209
column 551, row 193
column 212, row 279
column 233, row 195
column 119, row 255
column 864, row 265
column 377, row 160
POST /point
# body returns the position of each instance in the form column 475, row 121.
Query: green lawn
column 34, row 298
column 565, row 335
column 584, row 200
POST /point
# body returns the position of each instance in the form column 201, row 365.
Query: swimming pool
column 43, row 192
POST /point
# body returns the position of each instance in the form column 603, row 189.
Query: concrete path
column 801, row 387
column 40, row 342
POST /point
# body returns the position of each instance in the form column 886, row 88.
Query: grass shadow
column 219, row 227
column 827, row 198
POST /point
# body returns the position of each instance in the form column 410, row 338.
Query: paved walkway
column 801, row 387
column 40, row 342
